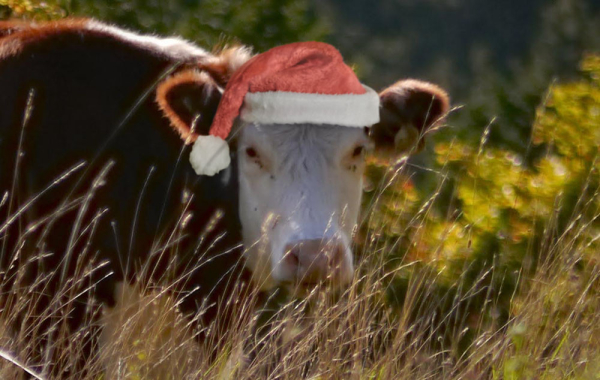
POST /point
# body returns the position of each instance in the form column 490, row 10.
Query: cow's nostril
column 315, row 261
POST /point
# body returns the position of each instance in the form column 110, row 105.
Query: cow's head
column 301, row 184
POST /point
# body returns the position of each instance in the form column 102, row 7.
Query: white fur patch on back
column 175, row 47
column 234, row 57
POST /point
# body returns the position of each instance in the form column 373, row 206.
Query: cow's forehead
column 287, row 138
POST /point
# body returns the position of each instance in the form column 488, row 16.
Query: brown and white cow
column 109, row 103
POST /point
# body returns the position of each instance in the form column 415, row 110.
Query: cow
column 96, row 125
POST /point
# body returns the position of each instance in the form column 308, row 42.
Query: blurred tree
column 30, row 9
column 568, row 29
column 261, row 24
column 496, row 58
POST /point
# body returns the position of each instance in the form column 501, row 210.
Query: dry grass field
column 552, row 332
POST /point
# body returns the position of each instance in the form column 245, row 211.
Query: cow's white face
column 300, row 185
column 300, row 191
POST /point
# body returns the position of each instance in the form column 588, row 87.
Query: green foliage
column 493, row 222
column 261, row 24
column 30, row 9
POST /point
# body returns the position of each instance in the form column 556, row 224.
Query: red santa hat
column 303, row 82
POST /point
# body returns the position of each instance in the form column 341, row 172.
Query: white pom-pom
column 210, row 155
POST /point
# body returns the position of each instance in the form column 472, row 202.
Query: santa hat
column 304, row 82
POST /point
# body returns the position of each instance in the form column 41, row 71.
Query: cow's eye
column 253, row 156
column 251, row 152
column 358, row 151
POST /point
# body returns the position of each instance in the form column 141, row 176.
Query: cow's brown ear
column 189, row 99
column 408, row 109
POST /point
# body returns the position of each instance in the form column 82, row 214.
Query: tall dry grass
column 553, row 329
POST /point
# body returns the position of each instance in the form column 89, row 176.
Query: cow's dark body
column 85, row 90
column 92, row 92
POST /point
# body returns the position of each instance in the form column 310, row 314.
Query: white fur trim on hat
column 275, row 107
column 210, row 155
